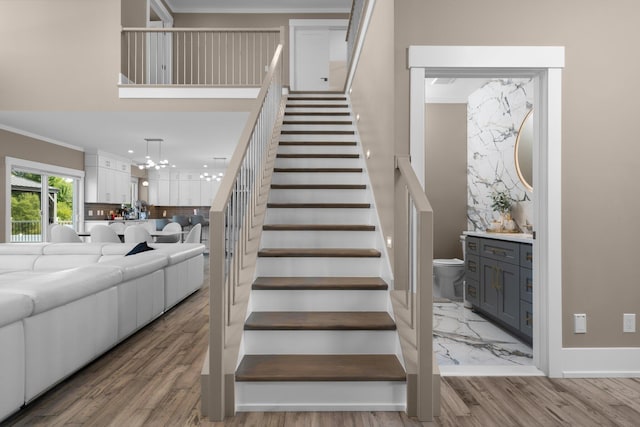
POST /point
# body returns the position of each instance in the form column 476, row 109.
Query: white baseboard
column 600, row 362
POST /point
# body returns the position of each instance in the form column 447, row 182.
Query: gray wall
column 446, row 175
column 600, row 151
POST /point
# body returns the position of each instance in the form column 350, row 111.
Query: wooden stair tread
column 314, row 143
column 318, row 227
column 318, row 170
column 317, row 98
column 319, row 205
column 316, row 156
column 325, row 367
column 317, row 132
column 317, row 106
column 320, row 283
column 318, row 122
column 318, row 186
column 319, row 321
column 318, row 253
column 317, row 113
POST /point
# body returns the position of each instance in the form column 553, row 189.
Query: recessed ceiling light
column 130, row 151
column 204, row 166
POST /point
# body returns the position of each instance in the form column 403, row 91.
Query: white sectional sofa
column 64, row 304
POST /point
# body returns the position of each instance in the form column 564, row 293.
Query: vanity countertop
column 512, row 237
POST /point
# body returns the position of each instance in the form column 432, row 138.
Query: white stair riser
column 316, row 137
column 312, row 300
column 318, row 149
column 321, row 396
column 319, row 267
column 318, row 239
column 318, row 178
column 294, row 101
column 320, row 342
column 303, row 162
column 318, row 196
column 319, row 127
column 318, row 216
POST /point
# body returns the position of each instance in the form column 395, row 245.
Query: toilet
column 448, row 276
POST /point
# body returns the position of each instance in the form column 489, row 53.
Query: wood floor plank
column 108, row 386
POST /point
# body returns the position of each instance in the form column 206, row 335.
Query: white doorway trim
column 297, row 24
column 544, row 65
column 162, row 12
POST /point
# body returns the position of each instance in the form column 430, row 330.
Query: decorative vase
column 508, row 224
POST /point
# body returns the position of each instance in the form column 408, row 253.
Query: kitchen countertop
column 512, row 237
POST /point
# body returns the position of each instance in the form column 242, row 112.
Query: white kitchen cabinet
column 106, row 179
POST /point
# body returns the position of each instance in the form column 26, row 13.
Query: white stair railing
column 231, row 217
column 197, row 56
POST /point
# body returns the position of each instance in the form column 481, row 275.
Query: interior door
column 158, row 55
column 312, row 59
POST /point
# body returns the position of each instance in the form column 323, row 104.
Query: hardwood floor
column 153, row 379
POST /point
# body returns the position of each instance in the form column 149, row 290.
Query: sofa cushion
column 179, row 252
column 64, row 262
column 136, row 265
column 73, row 249
column 14, row 307
column 22, row 248
column 57, row 288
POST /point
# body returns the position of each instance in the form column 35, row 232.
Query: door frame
column 544, row 65
column 46, row 170
column 308, row 24
column 167, row 48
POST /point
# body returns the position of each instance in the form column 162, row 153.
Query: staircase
column 320, row 334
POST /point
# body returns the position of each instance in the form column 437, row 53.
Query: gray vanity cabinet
column 472, row 270
column 500, row 290
column 499, row 283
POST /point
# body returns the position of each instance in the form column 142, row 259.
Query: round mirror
column 524, row 151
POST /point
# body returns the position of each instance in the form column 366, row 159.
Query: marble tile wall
column 495, row 113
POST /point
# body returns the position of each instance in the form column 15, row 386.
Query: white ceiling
column 260, row 6
column 190, row 139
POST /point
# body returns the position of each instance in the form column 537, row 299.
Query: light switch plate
column 580, row 323
column 629, row 322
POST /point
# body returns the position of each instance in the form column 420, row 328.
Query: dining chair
column 183, row 220
column 104, row 233
column 161, row 223
column 137, row 234
column 171, row 227
column 118, row 227
column 64, row 234
column 194, row 235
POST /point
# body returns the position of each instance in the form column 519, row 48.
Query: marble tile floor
column 464, row 338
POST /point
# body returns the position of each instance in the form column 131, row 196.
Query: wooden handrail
column 425, row 396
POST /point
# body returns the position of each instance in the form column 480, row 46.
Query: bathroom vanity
column 498, row 279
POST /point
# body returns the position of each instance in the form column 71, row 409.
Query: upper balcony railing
column 197, row 56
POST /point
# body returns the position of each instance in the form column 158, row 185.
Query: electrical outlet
column 629, row 322
column 580, row 323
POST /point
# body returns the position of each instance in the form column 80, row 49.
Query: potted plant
column 501, row 203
